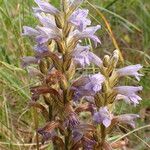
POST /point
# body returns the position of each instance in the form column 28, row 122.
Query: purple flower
column 79, row 19
column 45, row 7
column 77, row 135
column 131, row 70
column 46, row 135
column 103, row 116
column 86, row 33
column 47, row 34
column 95, row 83
column 47, row 21
column 83, row 57
column 30, row 31
column 129, row 94
column 87, row 85
column 42, row 35
column 127, row 119
column 71, row 120
column 41, row 48
column 88, row 144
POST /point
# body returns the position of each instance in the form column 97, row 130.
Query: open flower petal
column 87, row 86
column 83, row 57
column 127, row 119
column 79, row 19
column 131, row 70
column 46, row 7
column 29, row 31
column 129, row 94
column 103, row 116
column 86, row 33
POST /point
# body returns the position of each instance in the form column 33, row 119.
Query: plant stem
column 103, row 135
column 35, row 116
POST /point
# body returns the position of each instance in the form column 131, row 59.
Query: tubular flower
column 131, row 70
column 59, row 54
column 129, row 94
column 30, row 31
column 42, row 35
column 46, row 7
column 86, row 33
column 103, row 116
column 72, row 120
column 127, row 119
column 88, row 144
column 83, row 57
column 47, row 21
column 87, row 85
column 47, row 135
column 79, row 19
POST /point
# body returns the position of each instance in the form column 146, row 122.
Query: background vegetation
column 130, row 23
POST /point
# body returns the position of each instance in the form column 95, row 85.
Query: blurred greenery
column 130, row 23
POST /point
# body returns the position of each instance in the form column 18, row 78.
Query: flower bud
column 106, row 60
column 115, row 58
column 43, row 67
column 59, row 21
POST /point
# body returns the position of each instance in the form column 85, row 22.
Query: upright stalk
column 103, row 135
column 35, row 116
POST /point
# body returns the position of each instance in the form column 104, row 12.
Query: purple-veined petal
column 103, row 116
column 106, row 122
column 129, row 94
column 87, row 85
column 41, row 48
column 29, row 31
column 88, row 144
column 46, row 7
column 47, row 34
column 77, row 135
column 79, row 19
column 42, row 39
column 83, row 57
column 86, row 33
column 95, row 59
column 127, row 119
column 47, row 21
column 80, row 55
column 71, row 121
column 131, row 70
column 95, row 83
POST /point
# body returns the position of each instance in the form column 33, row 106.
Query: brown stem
column 35, row 115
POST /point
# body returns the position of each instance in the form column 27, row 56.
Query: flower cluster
column 59, row 53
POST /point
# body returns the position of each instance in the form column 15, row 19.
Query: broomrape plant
column 59, row 53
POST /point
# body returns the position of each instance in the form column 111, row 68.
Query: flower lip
column 83, row 57
column 79, row 19
column 129, row 94
column 86, row 33
column 103, row 116
column 47, row 21
column 30, row 31
column 87, row 85
column 131, row 70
